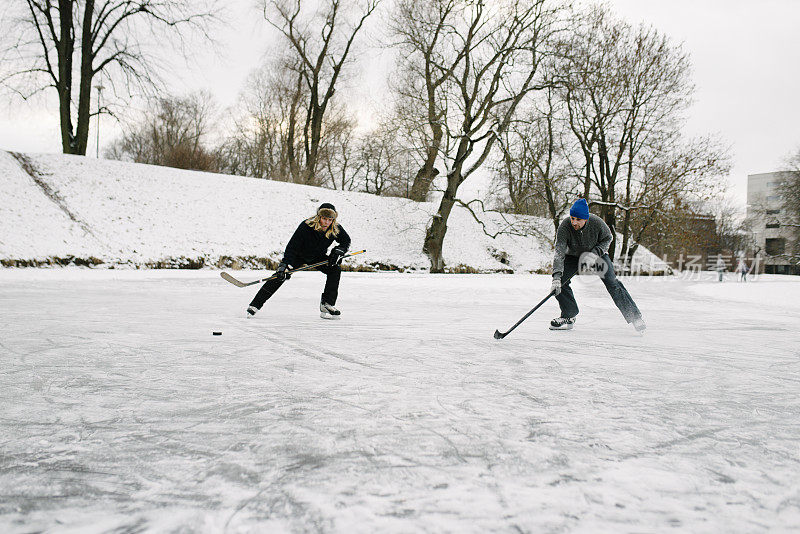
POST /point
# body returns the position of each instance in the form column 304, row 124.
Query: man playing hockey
column 308, row 245
column 583, row 239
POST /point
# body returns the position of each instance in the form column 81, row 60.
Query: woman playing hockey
column 308, row 245
column 583, row 239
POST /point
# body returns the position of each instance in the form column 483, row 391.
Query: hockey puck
column 217, row 333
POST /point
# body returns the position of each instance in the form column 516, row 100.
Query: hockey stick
column 239, row 283
column 500, row 335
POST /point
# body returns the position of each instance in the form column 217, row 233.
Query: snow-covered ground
column 54, row 208
column 120, row 412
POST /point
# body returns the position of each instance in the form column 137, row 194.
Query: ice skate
column 251, row 311
column 326, row 311
column 562, row 323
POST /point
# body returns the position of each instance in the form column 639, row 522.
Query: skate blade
column 330, row 317
column 565, row 327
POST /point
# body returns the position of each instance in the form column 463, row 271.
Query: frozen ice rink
column 120, row 412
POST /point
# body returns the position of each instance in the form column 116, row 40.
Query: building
column 687, row 239
column 764, row 212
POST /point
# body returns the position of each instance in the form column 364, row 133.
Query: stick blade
column 231, row 279
column 498, row 335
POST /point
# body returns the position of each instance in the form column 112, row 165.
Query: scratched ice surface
column 120, row 412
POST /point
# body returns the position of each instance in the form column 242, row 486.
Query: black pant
column 329, row 295
column 623, row 300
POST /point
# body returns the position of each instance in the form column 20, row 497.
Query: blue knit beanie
column 580, row 209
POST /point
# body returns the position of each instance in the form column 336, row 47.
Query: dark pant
column 329, row 295
column 620, row 295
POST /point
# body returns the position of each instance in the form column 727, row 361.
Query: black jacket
column 309, row 246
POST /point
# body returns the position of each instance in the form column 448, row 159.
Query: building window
column 775, row 246
column 773, row 198
column 773, row 225
column 773, row 212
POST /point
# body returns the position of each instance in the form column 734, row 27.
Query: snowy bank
column 57, row 209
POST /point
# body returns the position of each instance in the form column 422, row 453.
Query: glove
column 335, row 257
column 281, row 273
column 556, row 287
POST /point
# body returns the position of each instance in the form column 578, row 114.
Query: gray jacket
column 595, row 236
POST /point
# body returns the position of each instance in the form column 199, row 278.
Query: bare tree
column 66, row 45
column 339, row 163
column 321, row 41
column 423, row 30
column 386, row 162
column 790, row 200
column 265, row 141
column 533, row 172
column 790, row 189
column 490, row 53
column 682, row 228
column 669, row 173
column 376, row 154
column 173, row 134
column 611, row 128
column 730, row 235
column 627, row 87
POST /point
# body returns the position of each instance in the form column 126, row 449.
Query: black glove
column 335, row 257
column 281, row 273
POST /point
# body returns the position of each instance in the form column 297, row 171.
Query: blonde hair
column 314, row 222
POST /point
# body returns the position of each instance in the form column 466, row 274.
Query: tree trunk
column 294, row 165
column 551, row 204
column 312, row 154
column 67, row 138
column 607, row 181
column 631, row 252
column 611, row 220
column 65, row 48
column 422, row 182
column 609, row 214
column 587, row 180
column 626, row 225
column 425, row 176
column 85, row 89
column 434, row 237
column 626, row 230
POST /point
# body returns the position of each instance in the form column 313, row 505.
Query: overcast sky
column 745, row 55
